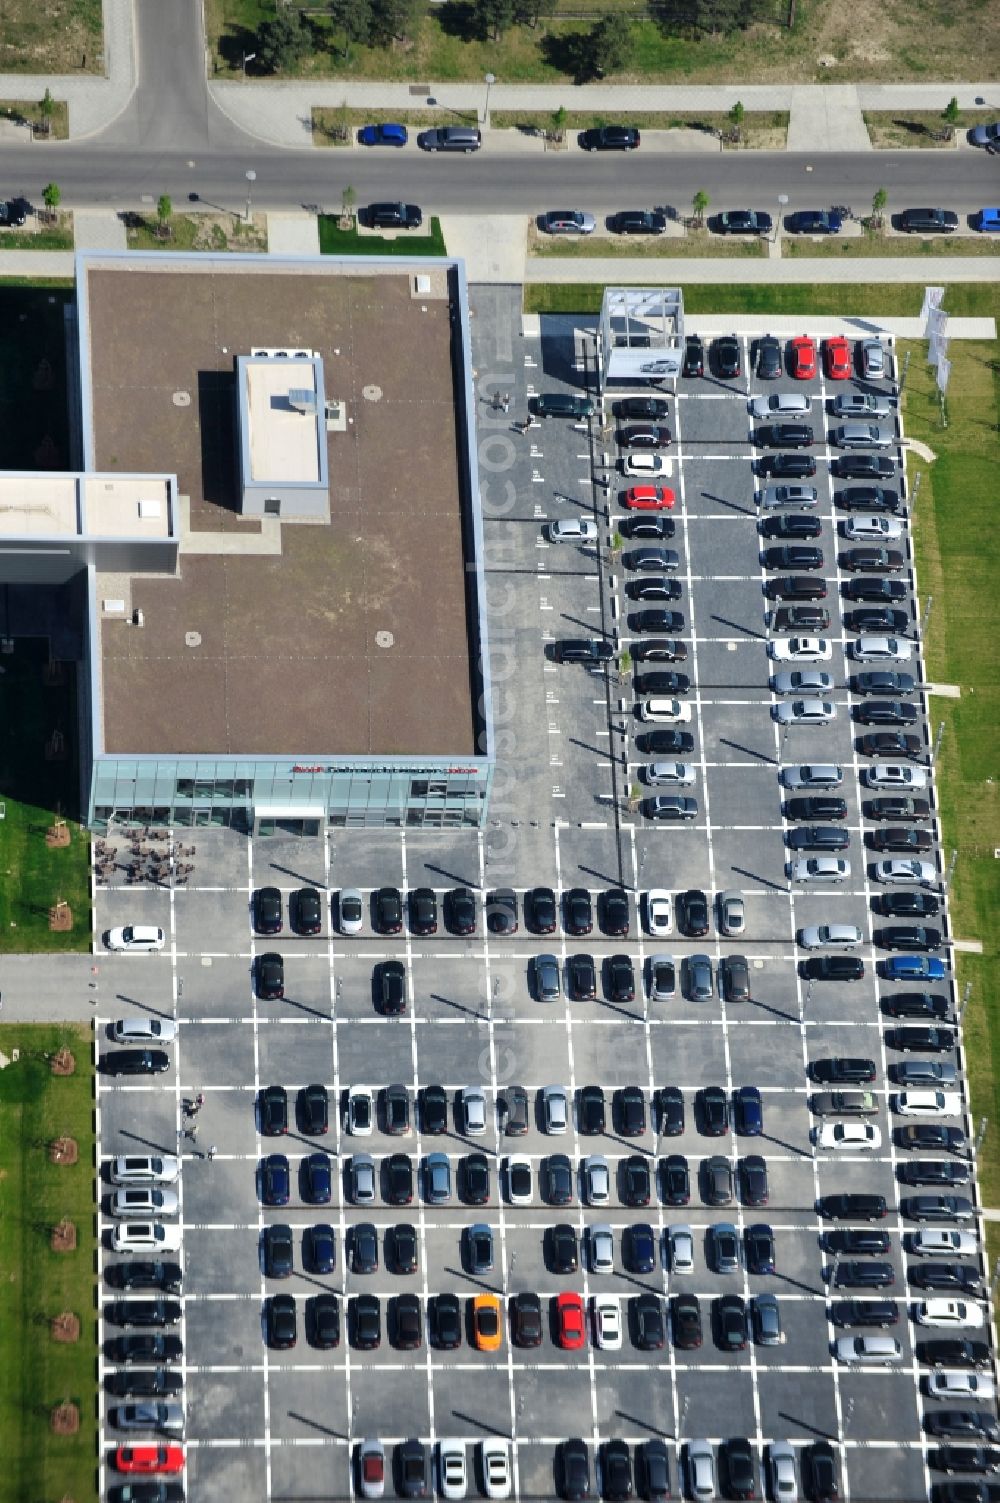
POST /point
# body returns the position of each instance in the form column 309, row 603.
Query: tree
column 951, row 112
column 283, row 42
column 608, row 45
column 353, row 18
column 494, row 17
column 52, row 197
column 699, row 204
column 348, row 199
column 879, row 200
column 559, row 118
column 46, row 108
column 736, row 114
column 529, row 12
column 392, row 20
column 164, row 209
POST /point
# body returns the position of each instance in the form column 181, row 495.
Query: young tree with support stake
column 51, row 197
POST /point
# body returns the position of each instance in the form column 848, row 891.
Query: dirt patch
column 65, row 1328
column 64, row 1420
column 63, row 1062
column 60, row 918
column 63, row 1151
column 63, row 1237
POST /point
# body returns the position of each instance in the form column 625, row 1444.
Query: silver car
column 165, row 1418
column 362, row 1179
column 602, row 1249
column 732, row 912
column 555, row 1110
column 144, row 1169
column 662, row 978
column 350, row 916
column 802, row 681
column 873, row 359
column 860, row 404
column 813, row 775
column 145, row 1030
column 573, row 530
column 474, row 1108
column 596, row 1180
column 829, row 936
column 145, row 1202
column 700, row 1462
column 781, row 1467
column 863, row 436
column 870, row 527
column 681, row 1249
column 780, row 404
column 774, row 497
column 679, row 774
column 805, row 712
column 547, row 984
column 818, row 869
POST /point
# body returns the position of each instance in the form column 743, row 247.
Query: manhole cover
column 372, row 393
column 192, row 639
column 182, row 399
column 384, row 639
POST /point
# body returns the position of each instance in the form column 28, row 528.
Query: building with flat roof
column 278, row 516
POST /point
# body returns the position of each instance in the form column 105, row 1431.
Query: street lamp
column 490, row 81
column 782, row 203
column 251, row 179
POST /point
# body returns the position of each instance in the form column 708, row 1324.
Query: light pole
column 490, row 81
column 251, row 179
column 248, row 57
column 782, row 202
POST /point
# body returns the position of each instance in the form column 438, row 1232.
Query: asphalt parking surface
column 263, row 1423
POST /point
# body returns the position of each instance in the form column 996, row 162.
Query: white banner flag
column 937, row 349
column 943, row 372
column 932, row 299
column 937, row 322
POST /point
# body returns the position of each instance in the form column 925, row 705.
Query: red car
column 150, row 1459
column 837, row 356
column 572, row 1327
column 649, row 498
column 803, row 358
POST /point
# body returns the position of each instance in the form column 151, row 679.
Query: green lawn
column 333, row 241
column 869, row 246
column 49, row 237
column 37, row 1373
column 23, row 111
column 197, row 232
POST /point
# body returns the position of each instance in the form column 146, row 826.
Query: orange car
column 487, row 1327
column 149, row 1459
column 837, row 355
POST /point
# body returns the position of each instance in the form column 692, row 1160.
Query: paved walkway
column 827, row 119
column 292, row 235
column 99, row 229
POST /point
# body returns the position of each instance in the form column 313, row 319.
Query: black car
column 785, row 435
column 423, row 911
column 883, row 681
column 276, row 1244
column 434, row 1109
column 460, row 911
column 638, row 222
column 842, row 1070
column 621, row 978
column 897, row 806
column 817, row 838
column 563, row 1251
column 541, row 911
column 401, row 1248
column 654, row 588
column 445, row 1321
column 635, row 1181
column 916, row 1005
column 629, row 1105
column 662, row 683
column 616, row 1470
column 396, row 1110
column 694, row 356
column 878, row 1313
column 958, row 1278
column 273, row 1110
column 717, row 1181
column 573, row 1469
column 314, row 1110
column 726, row 357
column 816, row 806
column 931, row 1137
column 742, row 222
column 147, row 1490
column 475, row 1179
column 909, row 905
column 652, row 409
column 795, row 587
column 306, row 909
column 146, row 1383
column 865, row 1242
column 863, row 1273
column 526, row 1319
column 877, row 560
column 792, row 525
column 391, row 987
column 670, row 1103
column 807, row 618
column 938, row 1208
column 649, row 526
column 886, row 712
column 900, row 840
column 954, row 1351
column 267, row 912
column 588, row 650
column 394, row 216
column 792, row 556
column 767, row 358
column 146, row 1347
column 693, row 913
column 398, row 1179
column 730, row 1316
column 656, row 620
column 406, row 1322
column 908, row 937
column 281, row 1322
column 149, row 1312
column 365, row 1314
column 590, row 1110
column 928, row 221
column 735, row 973
column 501, row 911
column 813, row 222
column 819, row 1472
column 270, row 977
column 869, row 498
column 362, row 1247
column 753, row 1180
column 713, row 1109
column 614, row 912
column 639, row 1248
column 610, row 138
column 739, row 1466
column 925, row 1040
column 833, row 968
column 387, row 910
column 891, row 744
column 578, row 911
column 166, row 1277
column 319, row 1248
column 855, row 1206
column 858, row 466
column 581, row 977
column 648, row 1324
column 652, row 1466
column 792, row 466
column 557, row 1180
column 685, row 1321
column 665, row 743
column 675, row 1180
column 934, row 1172
column 323, row 1321
column 962, row 1424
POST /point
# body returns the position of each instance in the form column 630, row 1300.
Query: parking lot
column 267, row 1423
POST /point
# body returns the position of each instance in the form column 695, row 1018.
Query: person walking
column 211, row 1150
column 192, row 1131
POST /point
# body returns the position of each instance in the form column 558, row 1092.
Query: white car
column 870, row 527
column 813, row 775
column 495, row 1456
column 829, row 937
column 371, row 1469
column 818, row 869
column 517, row 1177
column 555, row 1109
column 949, row 1313
column 573, row 530
column 350, row 910
column 800, row 650
column 602, row 1248
column 474, row 1111
column 894, row 775
column 148, row 1201
column 781, row 1466
column 678, row 774
column 665, row 711
column 952, row 1383
column 658, row 917
column 596, row 1180
column 923, row 873
column 145, row 1237
column 848, row 1137
column 882, row 650
column 646, row 466
column 145, row 1031
column 927, row 1103
column 802, row 681
column 359, row 1118
column 145, row 1169
column 607, row 1318
column 939, row 1242
column 779, row 404
column 681, row 1249
column 135, row 937
column 453, row 1477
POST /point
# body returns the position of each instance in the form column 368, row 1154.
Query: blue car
column 319, row 1248
column 382, row 135
column 275, row 1182
column 814, row 222
column 987, row 220
column 317, row 1180
column 748, row 1111
column 914, row 968
column 640, row 1249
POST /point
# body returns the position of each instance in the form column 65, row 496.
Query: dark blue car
column 274, row 1180
column 317, row 1181
column 814, row 222
column 748, row 1110
column 319, row 1248
column 641, row 1254
column 382, row 135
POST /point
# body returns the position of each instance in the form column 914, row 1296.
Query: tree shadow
column 459, row 18
column 571, row 54
column 234, row 43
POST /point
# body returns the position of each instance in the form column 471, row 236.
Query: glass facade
column 353, row 794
